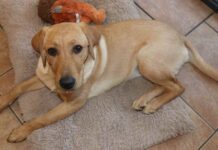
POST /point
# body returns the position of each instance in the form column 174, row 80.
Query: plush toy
column 66, row 10
column 44, row 7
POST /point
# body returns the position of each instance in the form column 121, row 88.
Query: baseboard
column 213, row 4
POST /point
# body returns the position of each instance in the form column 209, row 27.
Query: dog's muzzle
column 67, row 82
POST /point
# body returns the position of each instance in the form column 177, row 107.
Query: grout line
column 144, row 10
column 15, row 114
column 199, row 24
column 2, row 74
column 198, row 113
column 14, row 111
column 211, row 27
column 205, row 142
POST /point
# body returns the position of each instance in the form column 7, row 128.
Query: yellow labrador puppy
column 79, row 61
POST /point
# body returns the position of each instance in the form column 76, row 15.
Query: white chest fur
column 99, row 86
column 90, row 65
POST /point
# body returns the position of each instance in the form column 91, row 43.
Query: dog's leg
column 62, row 111
column 140, row 103
column 169, row 87
column 172, row 89
column 29, row 85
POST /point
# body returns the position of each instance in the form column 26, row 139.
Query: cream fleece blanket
column 107, row 121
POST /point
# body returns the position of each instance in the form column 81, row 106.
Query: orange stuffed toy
column 66, row 10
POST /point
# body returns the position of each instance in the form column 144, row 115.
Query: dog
column 80, row 61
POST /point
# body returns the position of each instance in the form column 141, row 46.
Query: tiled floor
column 200, row 25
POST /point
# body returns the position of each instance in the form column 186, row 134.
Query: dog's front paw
column 137, row 105
column 18, row 135
column 149, row 109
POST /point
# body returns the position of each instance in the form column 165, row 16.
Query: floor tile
column 7, row 123
column 4, row 53
column 201, row 92
column 191, row 141
column 181, row 14
column 212, row 144
column 6, row 84
column 16, row 109
column 213, row 21
column 8, row 120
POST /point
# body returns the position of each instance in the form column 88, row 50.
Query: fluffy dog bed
column 107, row 121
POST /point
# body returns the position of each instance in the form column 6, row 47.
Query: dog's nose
column 67, row 82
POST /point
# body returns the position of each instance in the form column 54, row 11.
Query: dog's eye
column 52, row 51
column 77, row 49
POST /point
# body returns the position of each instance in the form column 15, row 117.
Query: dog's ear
column 37, row 43
column 92, row 35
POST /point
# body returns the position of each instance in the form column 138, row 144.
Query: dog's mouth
column 72, row 93
column 68, row 91
column 64, row 91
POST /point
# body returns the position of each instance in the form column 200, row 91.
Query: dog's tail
column 199, row 62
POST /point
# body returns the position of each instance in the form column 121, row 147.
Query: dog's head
column 65, row 48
